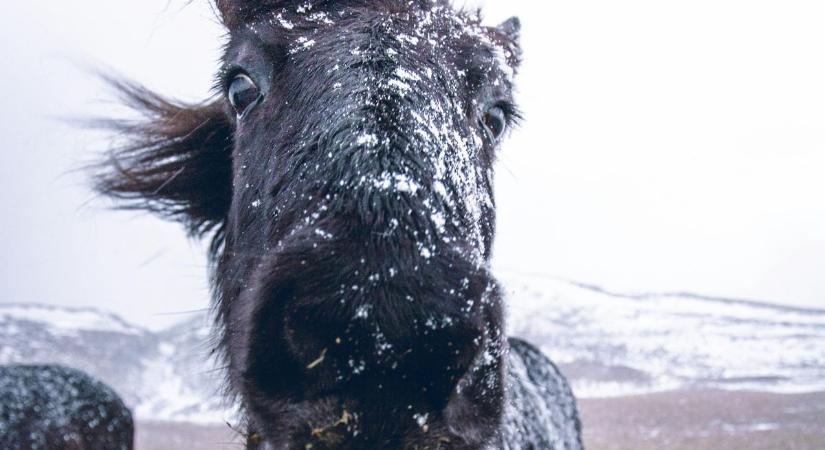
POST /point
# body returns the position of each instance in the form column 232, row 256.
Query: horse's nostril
column 313, row 343
column 330, row 350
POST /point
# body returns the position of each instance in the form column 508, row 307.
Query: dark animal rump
column 56, row 408
column 541, row 410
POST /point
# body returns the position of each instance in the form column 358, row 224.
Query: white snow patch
column 399, row 85
column 367, row 139
column 398, row 182
column 69, row 320
column 405, row 74
column 283, row 22
column 304, row 43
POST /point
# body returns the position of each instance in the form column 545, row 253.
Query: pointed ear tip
column 223, row 6
column 231, row 12
column 511, row 27
column 514, row 22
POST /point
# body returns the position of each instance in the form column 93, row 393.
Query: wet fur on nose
column 424, row 324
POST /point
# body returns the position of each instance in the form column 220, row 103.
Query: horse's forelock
column 236, row 12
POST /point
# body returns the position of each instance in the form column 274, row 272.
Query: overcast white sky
column 667, row 146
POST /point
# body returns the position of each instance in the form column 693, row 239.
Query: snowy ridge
column 607, row 344
column 162, row 376
column 183, row 381
column 69, row 320
column 614, row 344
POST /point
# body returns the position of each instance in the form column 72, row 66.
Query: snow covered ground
column 612, row 344
column 608, row 345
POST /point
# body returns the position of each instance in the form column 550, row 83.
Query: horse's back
column 56, row 408
column 541, row 409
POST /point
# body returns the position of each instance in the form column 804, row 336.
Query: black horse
column 345, row 172
column 57, row 408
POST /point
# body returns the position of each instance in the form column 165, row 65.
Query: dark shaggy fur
column 56, row 408
column 349, row 185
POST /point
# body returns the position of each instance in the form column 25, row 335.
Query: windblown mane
column 174, row 162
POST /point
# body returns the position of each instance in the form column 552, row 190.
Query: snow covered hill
column 164, row 376
column 613, row 344
column 608, row 344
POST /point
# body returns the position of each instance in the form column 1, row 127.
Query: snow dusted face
column 392, row 115
column 357, row 307
column 345, row 174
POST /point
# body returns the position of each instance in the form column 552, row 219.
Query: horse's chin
column 330, row 360
column 340, row 422
column 321, row 423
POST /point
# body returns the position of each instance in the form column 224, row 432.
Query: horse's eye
column 495, row 120
column 243, row 93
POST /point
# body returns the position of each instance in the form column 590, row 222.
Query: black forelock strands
column 236, row 12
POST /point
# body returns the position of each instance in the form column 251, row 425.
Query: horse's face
column 348, row 165
column 353, row 272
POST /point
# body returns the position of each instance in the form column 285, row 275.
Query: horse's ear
column 509, row 33
column 512, row 29
column 174, row 162
column 235, row 12
column 232, row 11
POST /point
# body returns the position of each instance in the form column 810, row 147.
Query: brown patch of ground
column 173, row 436
column 696, row 420
column 682, row 420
